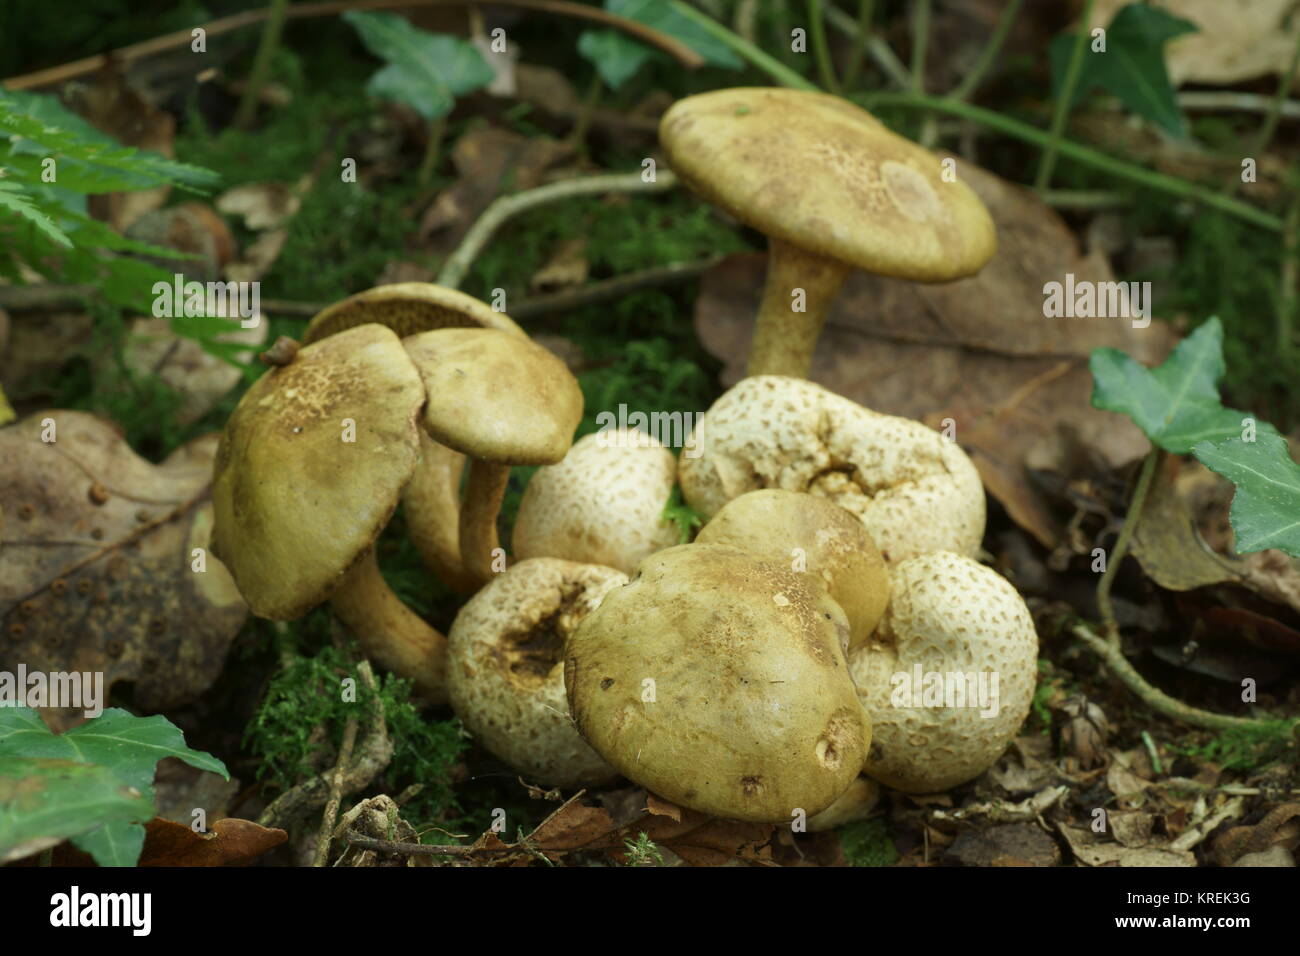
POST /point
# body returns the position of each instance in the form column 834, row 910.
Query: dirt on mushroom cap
column 913, row 490
column 295, row 503
column 948, row 615
column 505, row 673
column 719, row 682
column 825, row 175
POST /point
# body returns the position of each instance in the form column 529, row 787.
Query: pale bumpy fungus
column 505, row 668
column 719, row 681
column 949, row 675
column 502, row 400
column 431, row 499
column 811, row 535
column 309, row 470
column 603, row 504
column 833, row 190
column 913, row 490
column 856, row 803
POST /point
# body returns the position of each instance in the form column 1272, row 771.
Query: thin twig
column 1065, row 96
column 418, row 849
column 821, row 52
column 1116, row 557
column 1275, row 110
column 611, row 288
column 866, row 13
column 266, row 47
column 504, row 207
column 336, row 791
column 988, row 56
column 1242, row 102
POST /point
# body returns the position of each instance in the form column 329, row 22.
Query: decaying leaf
column 1014, row 383
column 567, row 267
column 262, row 205
column 1090, row 850
column 98, row 560
column 231, row 842
column 1280, row 827
column 1009, row 844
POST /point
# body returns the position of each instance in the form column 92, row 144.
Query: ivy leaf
column 618, row 57
column 425, row 71
column 1266, row 508
column 1132, row 67
column 1176, row 403
column 43, row 802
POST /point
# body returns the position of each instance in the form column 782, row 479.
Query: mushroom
column 948, row 677
column 718, row 681
column 812, row 535
column 309, row 469
column 833, row 190
column 912, row 489
column 502, row 400
column 603, row 504
column 855, row 803
column 505, row 668
column 431, row 499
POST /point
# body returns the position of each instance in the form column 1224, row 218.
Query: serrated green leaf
column 127, row 745
column 425, row 71
column 1266, row 507
column 1176, row 403
column 616, row 56
column 43, row 801
column 1132, row 67
column 14, row 200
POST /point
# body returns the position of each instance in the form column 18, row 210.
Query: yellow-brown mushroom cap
column 496, row 396
column 408, row 308
column 818, row 172
column 295, row 502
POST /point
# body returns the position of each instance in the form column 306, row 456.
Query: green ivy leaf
column 1266, row 508
column 1176, row 403
column 425, row 71
column 44, row 801
column 1132, row 68
column 618, row 57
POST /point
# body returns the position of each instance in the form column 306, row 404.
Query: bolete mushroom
column 505, row 669
column 502, row 400
column 603, row 504
column 833, row 190
column 309, row 469
column 912, row 489
column 718, row 681
column 949, row 675
column 811, row 535
column 431, row 499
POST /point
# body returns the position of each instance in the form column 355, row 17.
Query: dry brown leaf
column 192, row 229
column 262, row 205
column 1279, row 827
column 567, row 267
column 978, row 351
column 1089, row 850
column 231, row 842
column 97, row 557
column 1009, row 844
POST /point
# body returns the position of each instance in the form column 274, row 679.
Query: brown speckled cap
column 822, row 174
column 295, row 505
column 496, row 396
column 408, row 308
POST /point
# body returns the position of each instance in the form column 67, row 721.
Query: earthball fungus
column 913, row 489
column 948, row 676
column 506, row 667
column 719, row 681
column 833, row 190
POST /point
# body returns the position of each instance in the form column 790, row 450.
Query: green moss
column 867, row 843
column 1277, row 741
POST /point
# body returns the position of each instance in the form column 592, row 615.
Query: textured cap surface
column 952, row 617
column 809, row 534
column 505, row 667
column 295, row 504
column 408, row 308
column 913, row 490
column 496, row 396
column 825, row 175
column 602, row 504
column 719, row 682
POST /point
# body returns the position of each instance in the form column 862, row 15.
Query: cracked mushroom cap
column 808, row 533
column 719, row 682
column 496, row 396
column 823, row 174
column 948, row 616
column 602, row 504
column 295, row 505
column 912, row 489
column 505, row 667
column 408, row 308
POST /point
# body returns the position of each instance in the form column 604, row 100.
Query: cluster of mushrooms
column 752, row 674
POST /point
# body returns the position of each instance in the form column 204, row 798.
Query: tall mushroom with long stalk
column 833, row 190
column 431, row 498
column 501, row 400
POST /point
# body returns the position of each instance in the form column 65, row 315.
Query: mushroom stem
column 784, row 338
column 391, row 634
column 478, row 517
column 432, row 502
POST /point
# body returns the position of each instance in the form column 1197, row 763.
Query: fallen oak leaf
column 231, row 842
